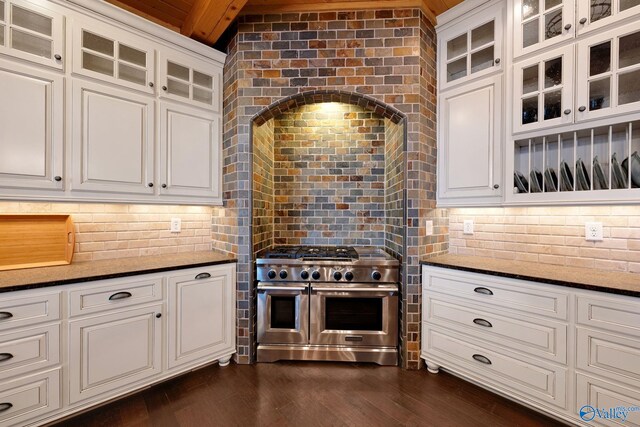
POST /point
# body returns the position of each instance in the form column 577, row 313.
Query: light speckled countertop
column 12, row 280
column 603, row 281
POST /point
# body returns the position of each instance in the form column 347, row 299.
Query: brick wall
column 394, row 188
column 107, row 231
column 263, row 186
column 551, row 235
column 387, row 55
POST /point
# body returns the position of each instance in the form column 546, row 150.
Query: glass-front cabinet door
column 543, row 91
column 541, row 23
column 593, row 14
column 31, row 32
column 473, row 52
column 608, row 73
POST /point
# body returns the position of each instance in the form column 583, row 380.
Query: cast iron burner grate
column 317, row 252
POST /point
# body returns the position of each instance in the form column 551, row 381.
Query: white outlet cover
column 428, row 228
column 467, row 227
column 176, row 225
column 593, row 232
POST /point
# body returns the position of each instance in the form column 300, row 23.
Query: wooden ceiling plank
column 233, row 10
column 158, row 10
column 208, row 19
column 145, row 15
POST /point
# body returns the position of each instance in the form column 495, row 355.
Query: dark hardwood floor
column 312, row 394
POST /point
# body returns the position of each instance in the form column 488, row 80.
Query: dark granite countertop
column 594, row 280
column 13, row 280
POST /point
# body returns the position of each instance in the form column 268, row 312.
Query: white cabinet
column 33, row 32
column 187, row 79
column 201, row 319
column 113, row 139
column 191, row 152
column 31, row 127
column 107, row 53
column 114, row 350
column 471, row 48
column 541, row 23
column 24, row 400
column 470, row 143
column 595, row 14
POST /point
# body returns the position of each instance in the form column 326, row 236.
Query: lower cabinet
column 581, row 368
column 24, row 399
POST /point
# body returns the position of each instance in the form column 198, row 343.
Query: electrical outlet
column 176, row 225
column 468, row 226
column 593, row 231
column 428, row 228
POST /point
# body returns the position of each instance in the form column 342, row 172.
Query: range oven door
column 283, row 313
column 366, row 315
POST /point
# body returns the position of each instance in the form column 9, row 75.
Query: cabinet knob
column 567, row 27
column 57, row 56
column 164, row 185
column 497, row 60
column 150, row 84
column 5, row 315
column 5, row 356
column 150, row 184
column 159, row 315
column 482, row 359
column 164, row 88
column 5, row 406
column 496, row 186
column 57, row 178
column 583, row 21
column 567, row 111
column 582, row 108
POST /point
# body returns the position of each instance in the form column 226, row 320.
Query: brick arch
column 318, row 96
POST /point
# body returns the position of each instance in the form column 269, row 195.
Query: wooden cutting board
column 28, row 241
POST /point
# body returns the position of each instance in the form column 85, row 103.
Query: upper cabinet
column 187, row 79
column 110, row 54
column 32, row 32
column 541, row 23
column 472, row 48
column 594, row 14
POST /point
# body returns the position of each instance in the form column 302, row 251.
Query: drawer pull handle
column 5, row 406
column 353, row 338
column 482, row 359
column 120, row 295
column 4, row 315
column 5, row 356
column 203, row 276
column 482, row 322
column 483, row 291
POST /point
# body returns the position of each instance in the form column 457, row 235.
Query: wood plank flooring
column 312, row 394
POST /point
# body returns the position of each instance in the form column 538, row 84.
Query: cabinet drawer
column 31, row 397
column 540, row 337
column 616, row 315
column 116, row 294
column 609, row 355
column 17, row 312
column 29, row 350
column 527, row 376
column 593, row 393
column 497, row 292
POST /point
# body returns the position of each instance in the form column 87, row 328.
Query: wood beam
column 208, row 19
column 136, row 11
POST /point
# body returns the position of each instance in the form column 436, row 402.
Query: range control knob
column 376, row 275
column 304, row 275
column 348, row 276
column 315, row 275
column 271, row 274
column 283, row 274
column 337, row 275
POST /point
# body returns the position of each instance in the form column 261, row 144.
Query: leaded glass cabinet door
column 541, row 23
column 543, row 91
column 594, row 14
column 608, row 73
column 32, row 32
column 472, row 48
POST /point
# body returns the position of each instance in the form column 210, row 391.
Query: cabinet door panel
column 112, row 139
column 31, row 123
column 200, row 315
column 471, row 139
column 190, row 152
column 594, row 14
column 114, row 350
column 541, row 23
column 31, row 397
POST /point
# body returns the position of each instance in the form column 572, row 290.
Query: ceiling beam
column 208, row 19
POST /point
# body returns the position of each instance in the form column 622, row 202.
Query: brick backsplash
column 551, row 235
column 107, row 231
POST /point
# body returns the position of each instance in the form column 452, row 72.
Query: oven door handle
column 347, row 289
column 281, row 288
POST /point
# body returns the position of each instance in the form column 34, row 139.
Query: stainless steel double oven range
column 327, row 303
